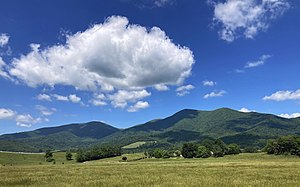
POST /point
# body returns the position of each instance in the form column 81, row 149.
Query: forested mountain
column 245, row 129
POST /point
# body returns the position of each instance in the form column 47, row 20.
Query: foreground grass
column 239, row 170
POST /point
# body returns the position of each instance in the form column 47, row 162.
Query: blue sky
column 126, row 62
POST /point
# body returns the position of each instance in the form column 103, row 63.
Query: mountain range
column 245, row 129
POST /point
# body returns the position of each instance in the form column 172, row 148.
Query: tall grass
column 237, row 170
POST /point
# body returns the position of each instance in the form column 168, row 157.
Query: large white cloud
column 246, row 17
column 108, row 56
column 284, row 95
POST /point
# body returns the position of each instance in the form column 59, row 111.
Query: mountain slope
column 232, row 126
column 61, row 137
column 245, row 129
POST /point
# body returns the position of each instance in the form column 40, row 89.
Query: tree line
column 207, row 148
column 284, row 145
column 98, row 152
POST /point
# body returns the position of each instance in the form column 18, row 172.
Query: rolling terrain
column 245, row 129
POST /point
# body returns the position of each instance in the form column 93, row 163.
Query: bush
column 69, row 155
column 49, row 156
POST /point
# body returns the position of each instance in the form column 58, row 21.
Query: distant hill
column 245, row 129
column 61, row 137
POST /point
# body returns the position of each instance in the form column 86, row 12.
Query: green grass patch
column 12, row 159
column 134, row 145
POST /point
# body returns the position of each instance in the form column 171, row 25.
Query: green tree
column 189, row 150
column 203, row 152
column 80, row 156
column 69, row 155
column 177, row 153
column 219, row 148
column 48, row 156
column 158, row 153
column 233, row 149
column 284, row 145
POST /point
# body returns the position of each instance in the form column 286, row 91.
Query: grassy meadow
column 257, row 169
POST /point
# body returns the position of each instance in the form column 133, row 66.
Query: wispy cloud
column 44, row 110
column 214, row 94
column 4, row 38
column 261, row 61
column 209, row 83
column 44, row 97
column 253, row 64
column 184, row 90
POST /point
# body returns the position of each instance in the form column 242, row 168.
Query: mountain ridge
column 246, row 129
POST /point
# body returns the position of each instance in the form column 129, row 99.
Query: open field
column 238, row 170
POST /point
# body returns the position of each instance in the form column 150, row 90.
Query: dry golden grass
column 238, row 170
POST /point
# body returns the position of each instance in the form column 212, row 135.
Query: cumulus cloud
column 161, row 87
column 22, row 120
column 74, row 98
column 7, row 113
column 246, row 17
column 122, row 97
column 44, row 110
column 108, row 56
column 261, row 61
column 26, row 120
column 139, row 105
column 289, row 116
column 184, row 90
column 98, row 100
column 284, row 95
column 246, row 110
column 209, row 83
column 44, row 97
column 215, row 94
column 4, row 38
